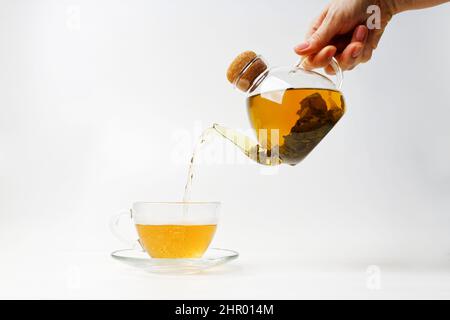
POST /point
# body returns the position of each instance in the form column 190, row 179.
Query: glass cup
column 171, row 230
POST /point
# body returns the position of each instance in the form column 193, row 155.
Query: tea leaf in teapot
column 316, row 119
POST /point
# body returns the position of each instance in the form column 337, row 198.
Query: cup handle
column 336, row 67
column 114, row 226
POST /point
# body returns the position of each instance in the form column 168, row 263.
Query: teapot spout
column 253, row 150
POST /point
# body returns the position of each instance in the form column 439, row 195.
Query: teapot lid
column 249, row 73
column 245, row 69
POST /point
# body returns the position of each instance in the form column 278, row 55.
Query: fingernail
column 357, row 52
column 361, row 34
column 330, row 54
column 302, row 46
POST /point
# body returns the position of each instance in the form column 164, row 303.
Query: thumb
column 318, row 40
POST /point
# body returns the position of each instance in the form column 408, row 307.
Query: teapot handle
column 336, row 67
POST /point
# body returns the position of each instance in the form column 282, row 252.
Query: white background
column 94, row 93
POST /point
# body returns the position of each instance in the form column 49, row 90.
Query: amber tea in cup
column 172, row 230
column 176, row 241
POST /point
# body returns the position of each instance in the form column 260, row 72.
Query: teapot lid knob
column 245, row 69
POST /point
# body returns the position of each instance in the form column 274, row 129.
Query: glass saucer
column 140, row 259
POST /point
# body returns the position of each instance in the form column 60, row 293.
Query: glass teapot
column 291, row 109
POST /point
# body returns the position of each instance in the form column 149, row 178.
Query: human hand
column 341, row 31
